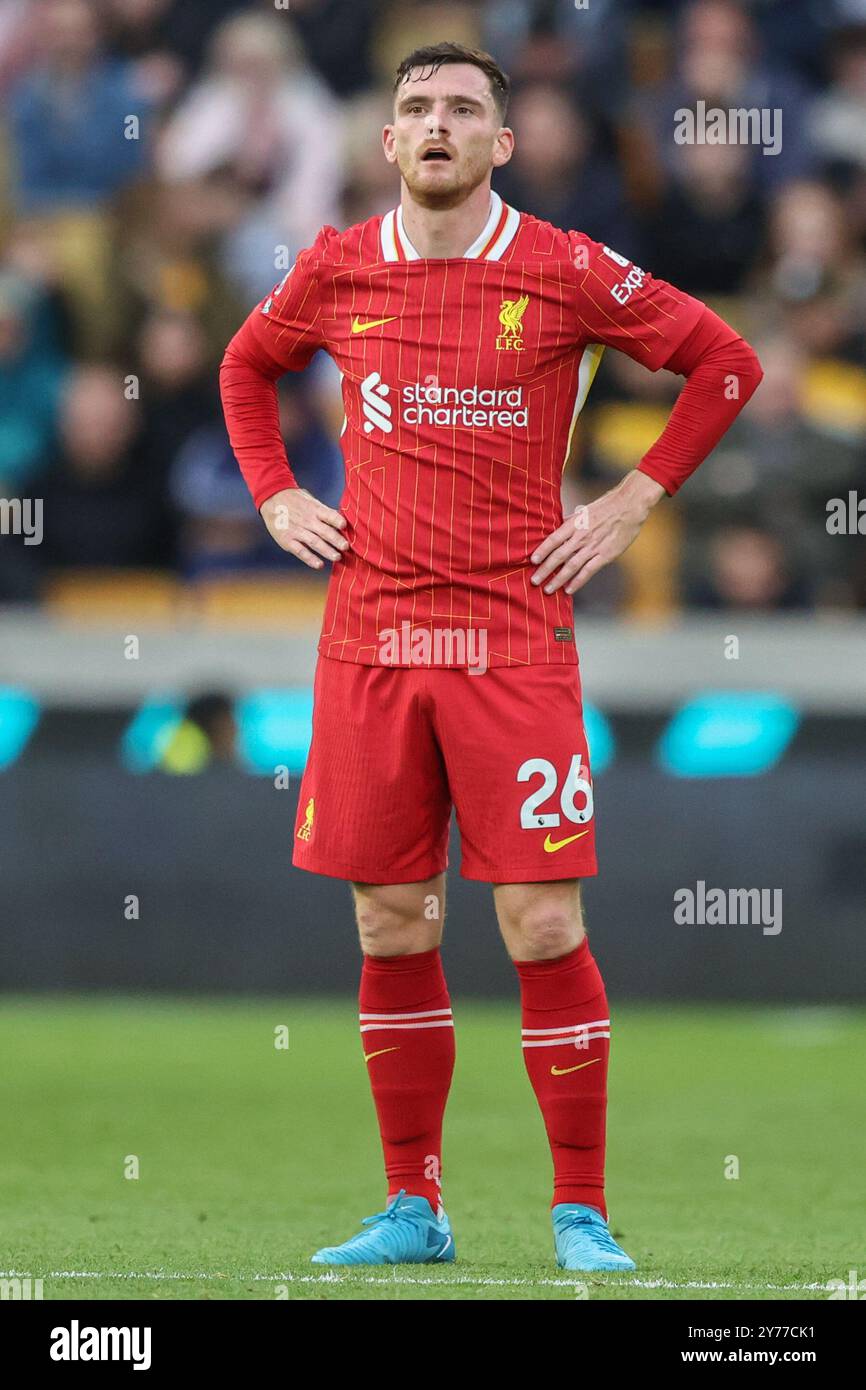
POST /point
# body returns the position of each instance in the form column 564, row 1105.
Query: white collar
column 497, row 233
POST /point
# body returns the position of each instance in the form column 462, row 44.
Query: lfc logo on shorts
column 511, row 318
column 306, row 829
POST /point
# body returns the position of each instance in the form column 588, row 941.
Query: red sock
column 566, row 1032
column 408, row 1037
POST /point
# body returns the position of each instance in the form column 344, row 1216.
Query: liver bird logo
column 306, row 829
column 511, row 316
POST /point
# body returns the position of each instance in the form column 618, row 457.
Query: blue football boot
column 584, row 1242
column 406, row 1233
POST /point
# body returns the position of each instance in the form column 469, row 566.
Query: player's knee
column 377, row 923
column 546, row 931
column 389, row 928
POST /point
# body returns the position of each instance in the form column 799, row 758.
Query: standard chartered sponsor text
column 471, row 407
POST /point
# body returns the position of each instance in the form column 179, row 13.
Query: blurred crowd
column 163, row 161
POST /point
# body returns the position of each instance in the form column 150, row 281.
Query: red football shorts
column 395, row 747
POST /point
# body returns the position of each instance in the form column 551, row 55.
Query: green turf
column 251, row 1157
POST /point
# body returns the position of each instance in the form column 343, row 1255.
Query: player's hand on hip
column 594, row 534
column 305, row 527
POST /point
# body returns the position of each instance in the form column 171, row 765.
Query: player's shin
column 566, row 1040
column 407, row 1033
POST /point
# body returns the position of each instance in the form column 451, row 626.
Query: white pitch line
column 457, row 1282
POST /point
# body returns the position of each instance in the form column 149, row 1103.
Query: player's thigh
column 540, row 921
column 517, row 760
column 400, row 919
column 374, row 805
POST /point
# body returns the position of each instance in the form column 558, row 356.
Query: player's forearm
column 722, row 373
column 249, row 398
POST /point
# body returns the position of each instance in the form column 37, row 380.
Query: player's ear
column 504, row 147
column 389, row 144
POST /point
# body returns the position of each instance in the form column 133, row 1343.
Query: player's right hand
column 305, row 527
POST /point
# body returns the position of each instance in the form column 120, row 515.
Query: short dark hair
column 437, row 55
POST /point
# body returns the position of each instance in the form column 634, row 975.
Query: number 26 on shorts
column 574, row 787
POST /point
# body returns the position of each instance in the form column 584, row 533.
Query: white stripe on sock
column 426, row 1013
column 377, row 1027
column 565, row 1042
column 572, row 1028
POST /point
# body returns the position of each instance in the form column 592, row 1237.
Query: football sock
column 407, row 1033
column 566, row 1040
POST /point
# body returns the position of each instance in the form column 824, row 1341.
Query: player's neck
column 446, row 231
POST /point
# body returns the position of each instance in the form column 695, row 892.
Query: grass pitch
column 250, row 1157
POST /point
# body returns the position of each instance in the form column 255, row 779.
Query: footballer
column 467, row 334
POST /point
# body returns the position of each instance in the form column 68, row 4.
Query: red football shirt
column 462, row 381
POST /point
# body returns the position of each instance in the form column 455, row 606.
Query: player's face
column 446, row 136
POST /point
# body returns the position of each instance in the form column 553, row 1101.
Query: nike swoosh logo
column 368, row 1056
column 564, row 1071
column 553, row 845
column 444, row 1247
column 359, row 327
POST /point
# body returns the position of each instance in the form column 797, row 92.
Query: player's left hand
column 595, row 534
